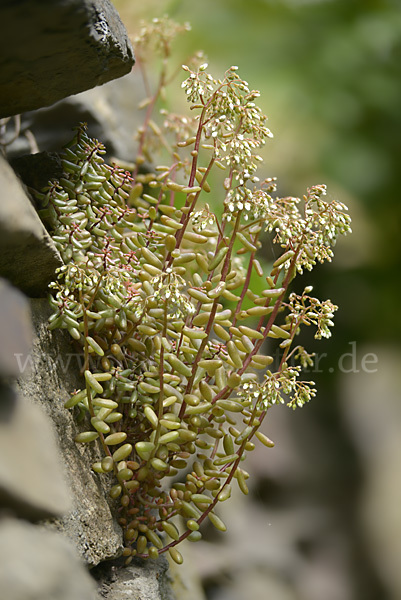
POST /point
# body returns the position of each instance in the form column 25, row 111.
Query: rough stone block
column 51, row 49
column 110, row 112
column 40, row 565
column 185, row 580
column 31, row 479
column 28, row 257
column 51, row 373
column 37, row 170
column 15, row 328
column 141, row 579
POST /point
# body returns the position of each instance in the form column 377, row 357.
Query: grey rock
column 371, row 406
column 256, row 583
column 28, row 257
column 185, row 580
column 15, row 328
column 37, row 170
column 40, row 565
column 140, row 580
column 31, row 480
column 261, row 550
column 51, row 49
column 110, row 112
column 54, row 373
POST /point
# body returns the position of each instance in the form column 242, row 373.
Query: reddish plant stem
column 209, row 325
column 286, row 282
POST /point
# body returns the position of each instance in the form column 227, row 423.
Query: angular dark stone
column 109, row 111
column 36, row 170
column 28, row 257
column 54, row 373
column 50, row 49
column 15, row 329
column 32, row 483
column 37, row 564
column 141, row 579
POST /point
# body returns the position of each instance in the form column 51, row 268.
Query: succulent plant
column 156, row 290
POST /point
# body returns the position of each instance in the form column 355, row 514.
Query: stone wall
column 50, row 49
column 58, row 537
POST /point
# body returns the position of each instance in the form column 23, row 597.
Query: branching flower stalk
column 156, row 292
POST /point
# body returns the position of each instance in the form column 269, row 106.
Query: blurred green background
column 330, row 76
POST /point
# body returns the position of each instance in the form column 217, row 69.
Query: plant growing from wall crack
column 156, row 291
